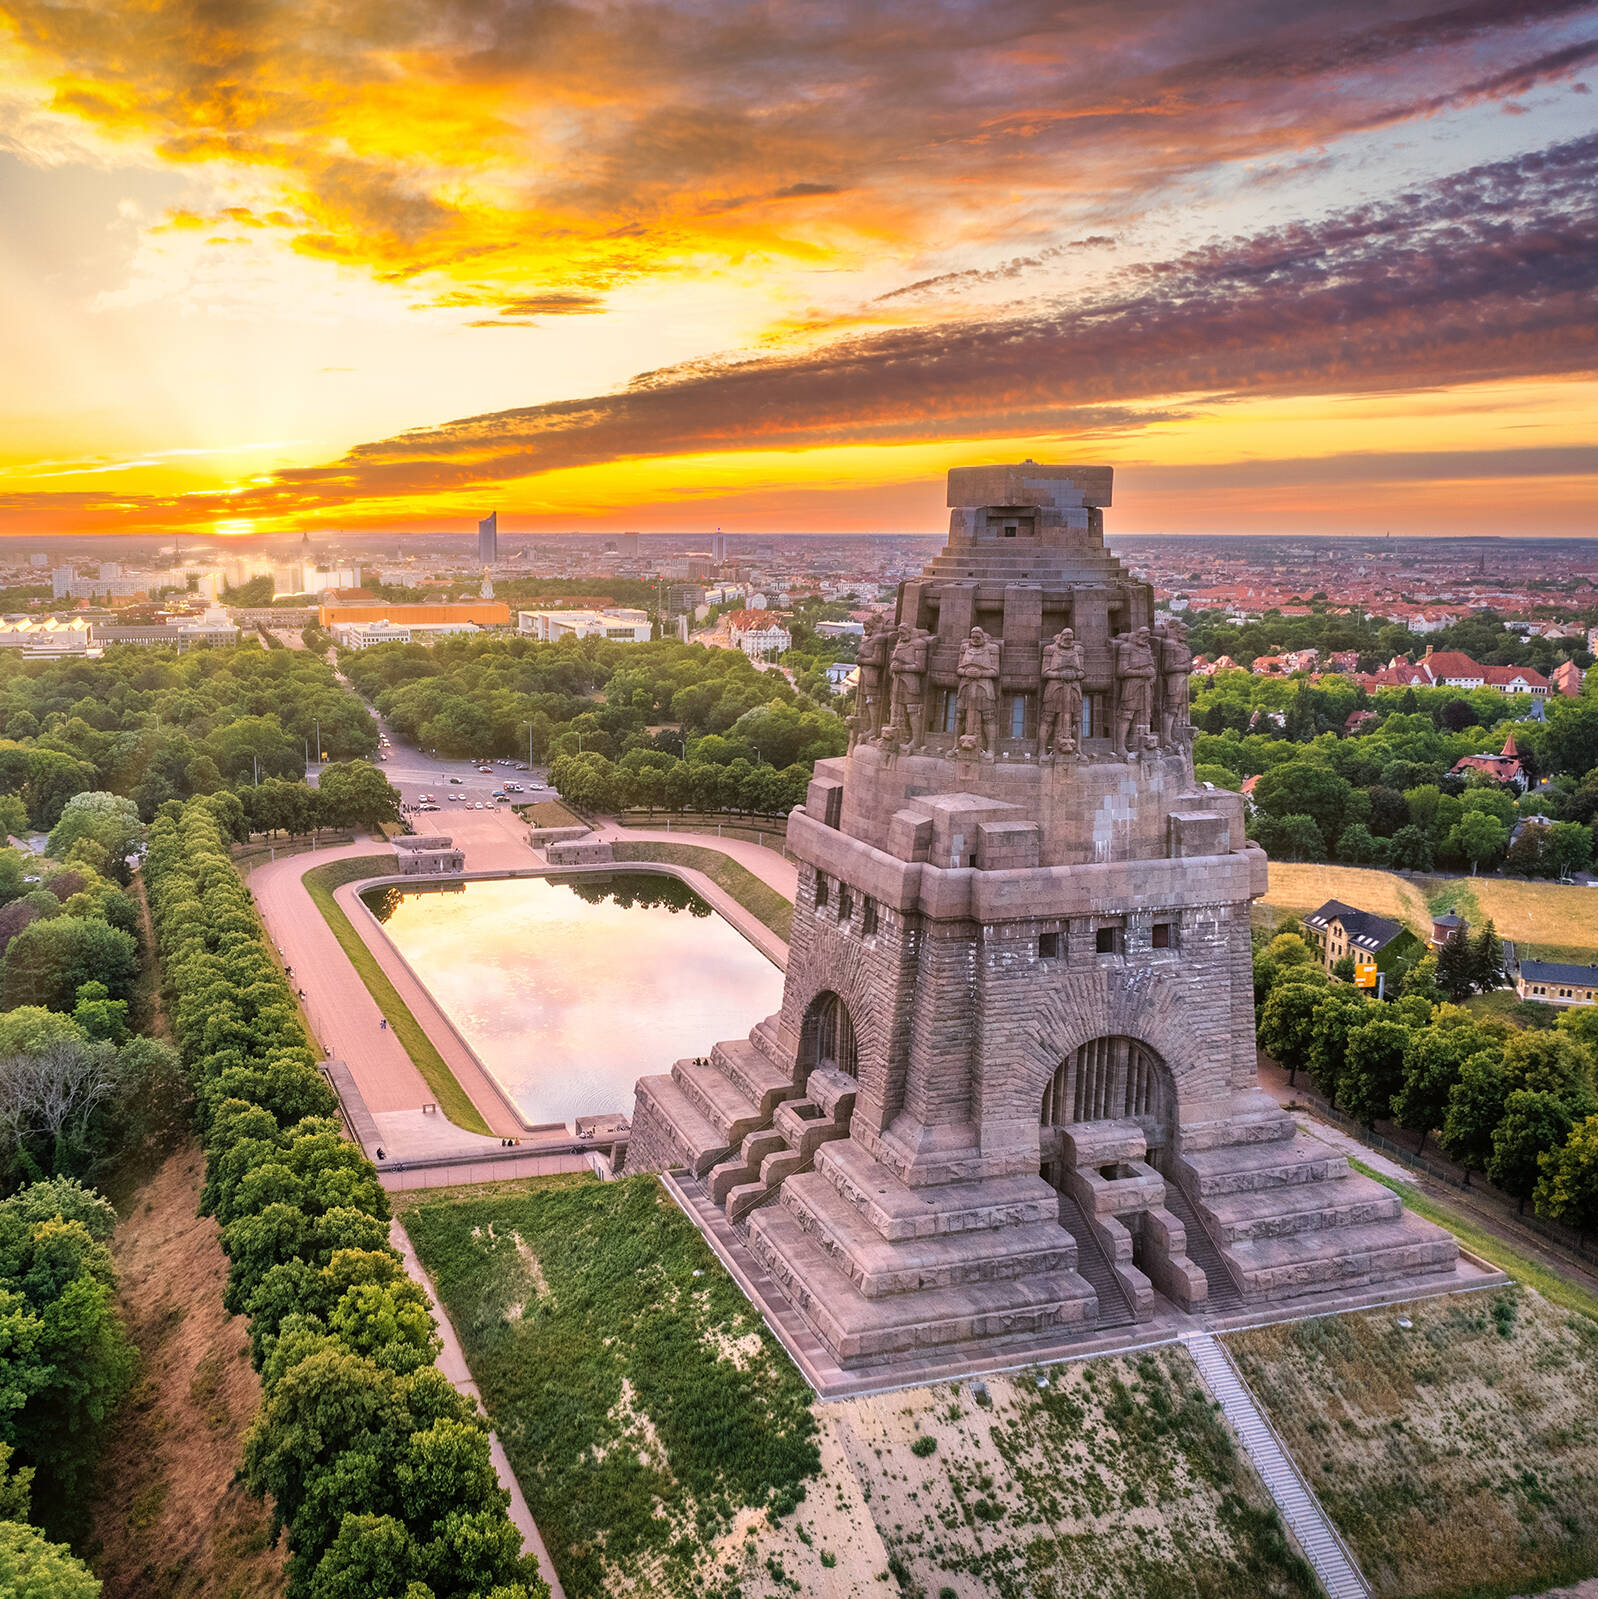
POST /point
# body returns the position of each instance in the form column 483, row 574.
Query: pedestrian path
column 1301, row 1510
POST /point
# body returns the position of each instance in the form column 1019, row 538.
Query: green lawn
column 641, row 1399
column 756, row 897
column 320, row 883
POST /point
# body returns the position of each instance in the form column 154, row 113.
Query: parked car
column 488, row 769
column 457, row 780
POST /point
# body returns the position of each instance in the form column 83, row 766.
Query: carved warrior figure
column 908, row 669
column 1176, row 664
column 978, row 701
column 872, row 660
column 1135, row 672
column 1060, row 721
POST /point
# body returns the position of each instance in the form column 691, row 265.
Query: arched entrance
column 1106, row 1079
column 827, row 1037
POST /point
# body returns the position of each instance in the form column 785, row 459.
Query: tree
column 1553, row 1062
column 49, row 961
column 1421, row 980
column 1432, row 1066
column 1487, row 959
column 1336, row 1015
column 356, row 794
column 31, row 1567
column 1455, row 969
column 1304, row 788
column 109, row 820
column 1357, row 845
column 1477, row 838
column 1567, row 1189
column 1373, row 1069
column 1290, row 838
column 1410, row 850
column 1286, row 1021
column 1533, row 1123
column 1567, row 848
column 1475, row 1107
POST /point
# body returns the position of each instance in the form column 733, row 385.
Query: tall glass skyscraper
column 488, row 539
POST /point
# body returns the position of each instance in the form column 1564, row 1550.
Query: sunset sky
column 342, row 264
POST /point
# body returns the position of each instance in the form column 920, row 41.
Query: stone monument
column 1010, row 1097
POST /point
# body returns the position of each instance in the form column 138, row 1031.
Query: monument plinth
column 1011, row 1090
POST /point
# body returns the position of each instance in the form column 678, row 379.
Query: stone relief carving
column 907, row 668
column 871, row 695
column 1176, row 666
column 1135, row 673
column 978, row 695
column 1060, row 722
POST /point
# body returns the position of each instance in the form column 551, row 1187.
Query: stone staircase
column 1325, row 1550
column 1115, row 1309
column 1290, row 1216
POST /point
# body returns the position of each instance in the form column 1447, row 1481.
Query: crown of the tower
column 1028, row 522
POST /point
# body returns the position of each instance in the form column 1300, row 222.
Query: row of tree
column 374, row 1462
column 656, row 780
column 1521, row 1107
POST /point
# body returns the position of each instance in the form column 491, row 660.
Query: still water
column 570, row 989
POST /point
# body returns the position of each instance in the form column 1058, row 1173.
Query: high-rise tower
column 488, row 540
column 1011, row 1092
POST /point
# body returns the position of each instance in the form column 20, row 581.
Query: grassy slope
column 639, row 1395
column 320, row 883
column 1458, row 1457
column 1554, row 920
column 756, row 897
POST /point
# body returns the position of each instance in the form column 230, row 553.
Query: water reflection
column 570, row 989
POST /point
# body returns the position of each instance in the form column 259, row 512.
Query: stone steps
column 879, row 1268
column 897, row 1211
column 677, row 1124
column 719, row 1101
column 1300, row 1208
column 859, row 1330
column 744, row 1167
column 1341, row 1257
column 1273, row 1164
column 1115, row 1309
column 753, row 1074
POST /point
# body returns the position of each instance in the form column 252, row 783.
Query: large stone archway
column 827, row 1037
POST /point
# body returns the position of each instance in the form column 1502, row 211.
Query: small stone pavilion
column 1010, row 1096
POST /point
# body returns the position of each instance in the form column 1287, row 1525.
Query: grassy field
column 320, row 882
column 642, row 1402
column 548, row 813
column 666, row 1446
column 1458, row 1456
column 1555, row 921
column 756, row 897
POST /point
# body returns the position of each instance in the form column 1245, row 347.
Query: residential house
column 1336, row 930
column 1556, row 983
column 1505, row 767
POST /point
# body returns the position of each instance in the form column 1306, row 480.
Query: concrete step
column 897, row 1211
column 719, row 1100
column 936, row 1320
column 764, row 1084
column 744, row 1167
column 1350, row 1201
column 806, row 1127
column 879, row 1268
column 1222, row 1290
column 766, row 1037
column 1341, row 1257
column 1273, row 1164
column 1115, row 1308
column 691, row 1140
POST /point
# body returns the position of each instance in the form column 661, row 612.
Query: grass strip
column 1480, row 1241
column 760, row 899
column 320, row 882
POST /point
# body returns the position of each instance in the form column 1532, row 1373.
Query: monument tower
column 1010, row 1095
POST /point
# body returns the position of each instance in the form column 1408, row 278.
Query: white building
column 758, row 633
column 49, row 639
column 362, row 635
column 626, row 626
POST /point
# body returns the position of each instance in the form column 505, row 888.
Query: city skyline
column 1315, row 274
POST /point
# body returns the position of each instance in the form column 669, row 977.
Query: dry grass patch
column 1301, row 886
column 170, row 1521
column 1458, row 1456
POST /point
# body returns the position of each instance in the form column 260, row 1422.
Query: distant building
column 758, row 633
column 214, row 628
column 1336, row 930
column 840, row 629
column 718, row 547
column 362, row 635
column 1448, row 928
column 1555, row 983
column 1455, row 669
column 625, row 626
column 629, row 546
column 48, row 640
column 483, row 613
column 1567, row 679
column 1504, row 767
column 488, row 539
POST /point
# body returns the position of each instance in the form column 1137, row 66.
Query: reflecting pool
column 570, row 989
